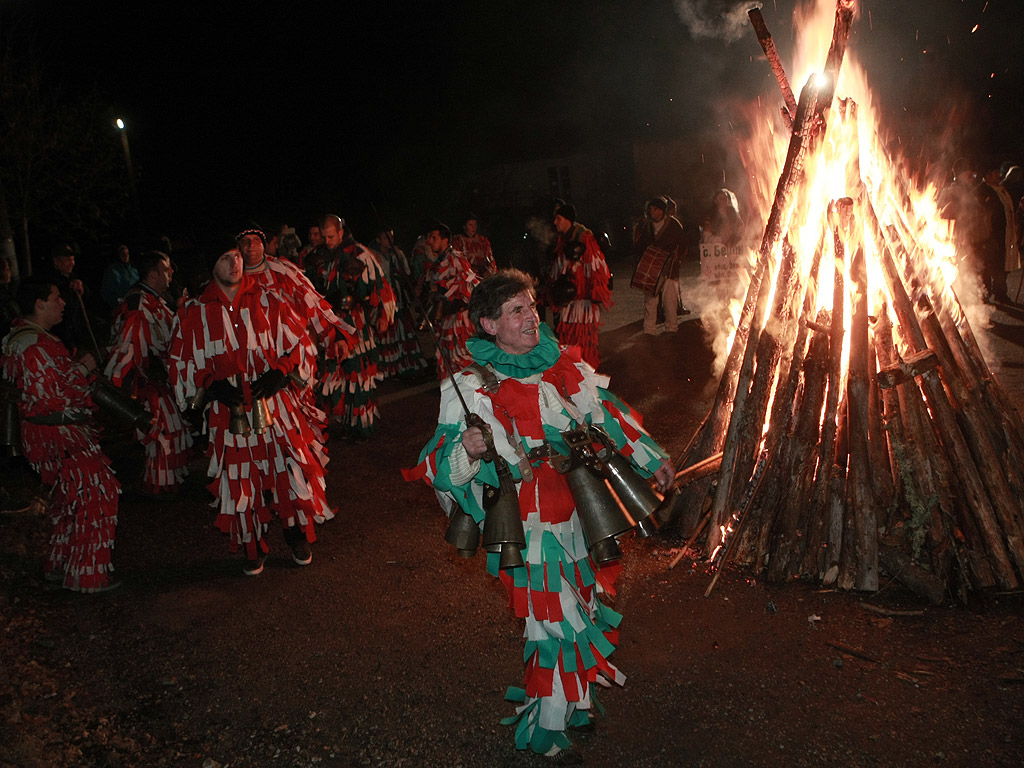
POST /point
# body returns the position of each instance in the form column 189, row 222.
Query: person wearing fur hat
column 578, row 285
column 662, row 230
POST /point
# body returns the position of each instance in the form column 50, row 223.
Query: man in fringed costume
column 353, row 282
column 580, row 273
column 332, row 336
column 400, row 352
column 541, row 390
column 238, row 344
column 476, row 247
column 451, row 280
column 61, row 442
column 142, row 339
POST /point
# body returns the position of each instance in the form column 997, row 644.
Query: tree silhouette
column 61, row 168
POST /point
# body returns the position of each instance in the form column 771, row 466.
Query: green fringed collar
column 537, row 360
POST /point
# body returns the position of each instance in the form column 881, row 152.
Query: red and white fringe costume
column 254, row 475
column 333, row 336
column 577, row 323
column 142, row 329
column 400, row 351
column 452, row 279
column 83, row 503
column 349, row 389
column 478, row 251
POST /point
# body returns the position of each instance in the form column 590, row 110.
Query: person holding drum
column 659, row 246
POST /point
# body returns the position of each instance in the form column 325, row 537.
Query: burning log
column 817, row 527
column 864, row 509
column 738, row 369
column 972, row 420
column 783, row 410
column 915, row 478
column 878, row 446
column 806, row 127
column 940, row 407
column 883, row 446
column 764, row 37
column 837, row 51
column 801, row 463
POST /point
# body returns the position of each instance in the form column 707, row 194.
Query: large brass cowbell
column 463, row 532
column 601, row 515
column 611, row 498
column 503, row 526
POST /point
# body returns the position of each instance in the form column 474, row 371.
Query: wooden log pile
column 863, row 437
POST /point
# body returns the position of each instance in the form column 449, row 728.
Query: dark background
column 289, row 110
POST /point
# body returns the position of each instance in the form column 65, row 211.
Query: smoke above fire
column 715, row 20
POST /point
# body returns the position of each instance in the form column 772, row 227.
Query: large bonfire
column 856, row 426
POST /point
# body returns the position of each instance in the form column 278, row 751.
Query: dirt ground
column 390, row 651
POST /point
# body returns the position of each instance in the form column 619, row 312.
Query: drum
column 649, row 274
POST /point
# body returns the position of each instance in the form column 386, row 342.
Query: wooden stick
column 689, row 542
column 806, row 129
column 837, row 51
column 878, row 445
column 799, row 474
column 1004, row 502
column 910, row 466
column 894, row 612
column 912, row 576
column 851, row 651
column 764, row 37
column 778, row 332
column 703, row 468
column 865, row 512
column 819, row 504
column 977, row 499
column 894, row 374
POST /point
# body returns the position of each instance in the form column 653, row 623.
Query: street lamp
column 128, row 164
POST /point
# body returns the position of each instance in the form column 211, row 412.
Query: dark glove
column 225, row 392
column 268, row 384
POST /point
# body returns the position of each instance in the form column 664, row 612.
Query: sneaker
column 563, row 756
column 254, row 567
column 296, row 539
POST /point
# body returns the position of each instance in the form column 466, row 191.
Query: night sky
column 288, row 110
